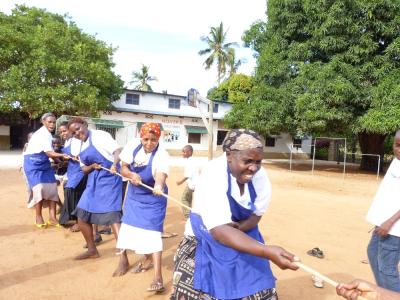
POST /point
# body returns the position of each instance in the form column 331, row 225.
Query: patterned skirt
column 184, row 273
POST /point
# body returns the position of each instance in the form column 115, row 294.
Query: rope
column 299, row 264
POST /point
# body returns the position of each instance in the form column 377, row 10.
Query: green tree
column 327, row 68
column 142, row 79
column 233, row 63
column 237, row 88
column 218, row 50
column 48, row 64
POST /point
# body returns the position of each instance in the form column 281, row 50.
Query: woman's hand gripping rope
column 299, row 264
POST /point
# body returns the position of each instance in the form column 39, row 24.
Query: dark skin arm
column 179, row 182
column 95, row 166
column 136, row 180
column 238, row 240
column 56, row 155
column 384, row 229
column 249, row 223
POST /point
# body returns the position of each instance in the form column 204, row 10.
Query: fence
column 341, row 152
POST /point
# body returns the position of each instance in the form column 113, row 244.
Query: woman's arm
column 116, row 154
column 159, row 183
column 126, row 172
column 249, row 223
column 53, row 154
column 238, row 240
column 87, row 169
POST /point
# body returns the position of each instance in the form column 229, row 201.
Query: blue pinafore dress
column 74, row 187
column 103, row 191
column 74, row 171
column 38, row 169
column 223, row 272
column 142, row 208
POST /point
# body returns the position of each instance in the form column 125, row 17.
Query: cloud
column 163, row 34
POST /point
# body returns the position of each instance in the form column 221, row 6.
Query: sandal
column 140, row 268
column 58, row 225
column 316, row 252
column 318, row 282
column 157, row 287
column 41, row 226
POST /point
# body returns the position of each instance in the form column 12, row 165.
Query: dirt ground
column 324, row 210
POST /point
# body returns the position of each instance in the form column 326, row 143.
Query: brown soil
column 324, row 210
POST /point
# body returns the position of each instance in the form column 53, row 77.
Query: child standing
column 190, row 174
column 384, row 213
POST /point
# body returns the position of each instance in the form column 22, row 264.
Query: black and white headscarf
column 241, row 139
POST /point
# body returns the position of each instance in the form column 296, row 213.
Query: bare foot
column 75, row 228
column 122, row 268
column 88, row 254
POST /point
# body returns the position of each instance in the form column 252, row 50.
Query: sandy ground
column 306, row 211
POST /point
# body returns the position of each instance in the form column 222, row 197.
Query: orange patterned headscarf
column 150, row 128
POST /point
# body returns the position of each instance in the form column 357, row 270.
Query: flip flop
column 316, row 252
column 166, row 235
column 58, row 225
column 157, row 287
column 318, row 282
column 41, row 226
column 139, row 268
column 105, row 231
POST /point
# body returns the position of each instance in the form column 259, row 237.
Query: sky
column 162, row 34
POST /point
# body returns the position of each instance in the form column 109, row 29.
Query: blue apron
column 103, row 191
column 226, row 273
column 37, row 168
column 142, row 208
column 74, row 171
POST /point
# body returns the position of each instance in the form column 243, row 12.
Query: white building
column 182, row 124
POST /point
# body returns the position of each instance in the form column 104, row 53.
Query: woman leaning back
column 223, row 255
column 39, row 173
column 101, row 201
column 144, row 161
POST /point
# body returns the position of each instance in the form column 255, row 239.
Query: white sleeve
column 262, row 186
column 161, row 162
column 40, row 141
column 107, row 141
column 126, row 154
column 210, row 199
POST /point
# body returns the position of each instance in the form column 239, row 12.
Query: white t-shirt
column 103, row 142
column 75, row 144
column 160, row 159
column 211, row 202
column 41, row 140
column 191, row 172
column 387, row 199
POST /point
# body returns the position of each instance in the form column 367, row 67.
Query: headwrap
column 241, row 139
column 150, row 128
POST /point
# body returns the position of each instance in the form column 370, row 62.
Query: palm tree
column 217, row 49
column 142, row 78
column 233, row 63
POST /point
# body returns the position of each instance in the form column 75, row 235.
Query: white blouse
column 211, row 202
column 41, row 140
column 160, row 160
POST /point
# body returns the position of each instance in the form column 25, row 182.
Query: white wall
column 158, row 103
column 171, row 124
column 283, row 144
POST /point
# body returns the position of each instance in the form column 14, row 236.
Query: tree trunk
column 371, row 143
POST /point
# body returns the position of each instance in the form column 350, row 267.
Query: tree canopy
column 48, row 64
column 326, row 68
